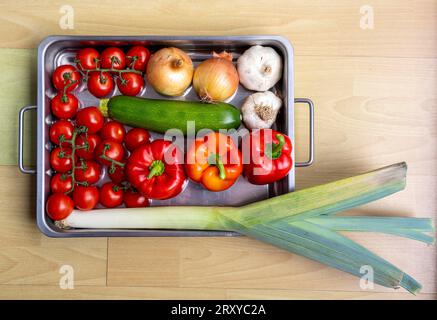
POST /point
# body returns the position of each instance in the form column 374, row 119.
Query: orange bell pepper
column 214, row 161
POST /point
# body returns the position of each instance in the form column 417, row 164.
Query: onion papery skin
column 216, row 79
column 170, row 71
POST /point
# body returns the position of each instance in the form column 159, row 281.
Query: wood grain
column 401, row 28
column 17, row 89
column 376, row 104
column 34, row 292
column 27, row 256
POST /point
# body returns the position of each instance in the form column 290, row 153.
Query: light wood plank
column 323, row 295
column 34, row 292
column 29, row 257
column 401, row 28
column 17, row 89
column 246, row 263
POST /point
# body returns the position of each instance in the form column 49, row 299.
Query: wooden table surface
column 375, row 92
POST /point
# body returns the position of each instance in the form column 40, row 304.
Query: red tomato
column 60, row 160
column 87, row 171
column 137, row 58
column 100, row 84
column 130, row 83
column 134, row 199
column 61, row 183
column 113, row 130
column 111, row 195
column 90, row 142
column 66, row 76
column 59, row 206
column 118, row 175
column 85, row 198
column 90, row 117
column 61, row 129
column 113, row 58
column 87, row 59
column 64, row 106
column 107, row 150
column 135, row 138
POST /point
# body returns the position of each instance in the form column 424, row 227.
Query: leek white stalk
column 302, row 222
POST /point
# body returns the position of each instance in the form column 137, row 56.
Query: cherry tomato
column 64, row 106
column 100, row 84
column 87, row 144
column 113, row 130
column 137, row 58
column 66, row 75
column 61, row 129
column 134, row 199
column 107, row 150
column 85, row 198
column 135, row 138
column 87, row 59
column 113, row 58
column 111, row 195
column 87, row 171
column 130, row 83
column 117, row 175
column 59, row 206
column 61, row 183
column 90, row 117
column 60, row 160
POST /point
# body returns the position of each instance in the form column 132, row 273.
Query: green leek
column 302, row 222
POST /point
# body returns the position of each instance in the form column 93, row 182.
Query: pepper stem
column 276, row 148
column 214, row 159
column 156, row 169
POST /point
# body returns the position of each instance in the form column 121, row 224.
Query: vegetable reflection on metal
column 302, row 222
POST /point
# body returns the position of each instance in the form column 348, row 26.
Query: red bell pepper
column 270, row 156
column 156, row 170
column 214, row 161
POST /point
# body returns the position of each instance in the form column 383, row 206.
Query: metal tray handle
column 21, row 166
column 311, row 151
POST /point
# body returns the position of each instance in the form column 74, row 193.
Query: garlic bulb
column 259, row 68
column 260, row 110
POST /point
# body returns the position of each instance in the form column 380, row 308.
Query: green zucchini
column 162, row 115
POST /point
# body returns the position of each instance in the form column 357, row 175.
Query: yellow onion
column 216, row 79
column 170, row 71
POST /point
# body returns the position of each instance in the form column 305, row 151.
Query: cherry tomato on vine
column 134, row 199
column 64, row 106
column 100, row 84
column 87, row 143
column 118, row 175
column 113, row 130
column 137, row 58
column 85, row 198
column 59, row 206
column 87, row 171
column 112, row 58
column 61, row 183
column 60, row 160
column 108, row 150
column 61, row 129
column 111, row 195
column 130, row 83
column 87, row 59
column 90, row 117
column 66, row 76
column 135, row 138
